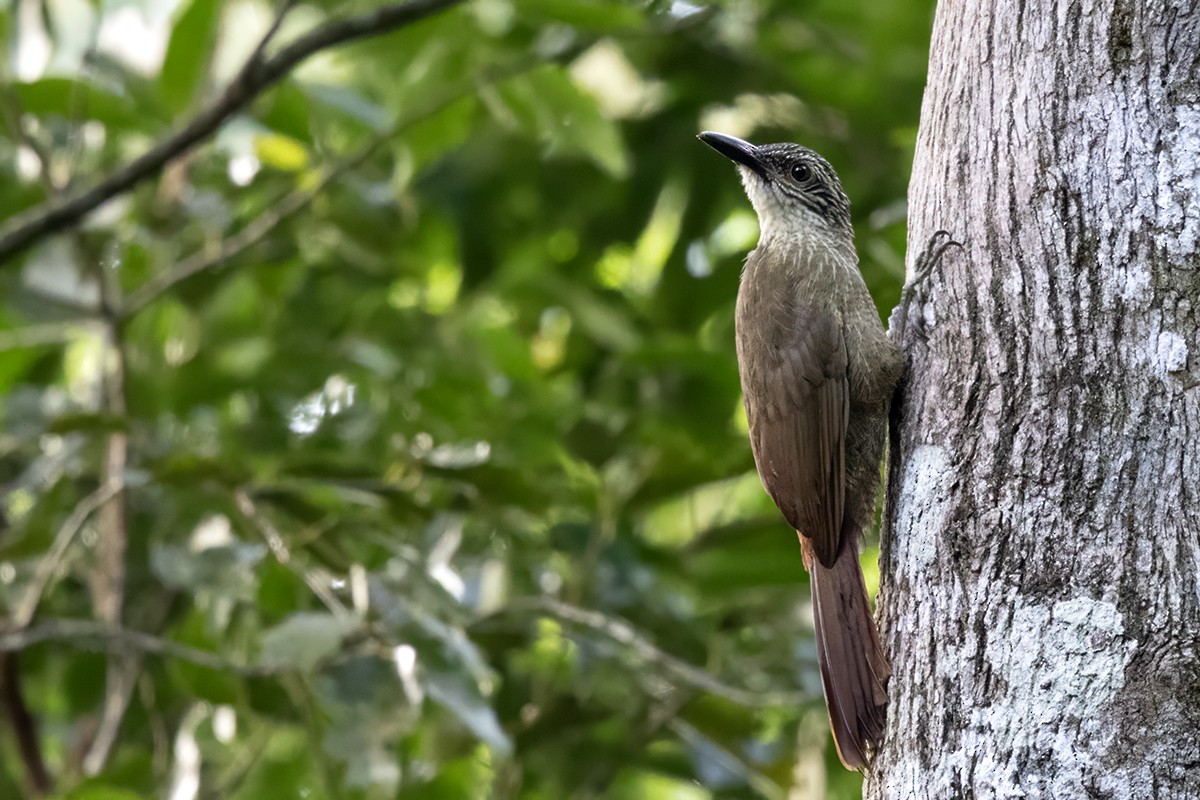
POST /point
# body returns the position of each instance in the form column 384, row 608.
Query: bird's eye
column 801, row 172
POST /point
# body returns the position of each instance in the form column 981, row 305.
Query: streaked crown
column 791, row 187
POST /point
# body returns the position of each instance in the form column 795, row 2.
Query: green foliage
column 439, row 488
column 186, row 59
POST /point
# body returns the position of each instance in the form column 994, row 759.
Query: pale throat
column 787, row 225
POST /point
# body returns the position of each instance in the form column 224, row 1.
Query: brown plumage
column 817, row 374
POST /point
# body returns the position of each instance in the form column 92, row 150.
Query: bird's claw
column 923, row 267
column 930, row 256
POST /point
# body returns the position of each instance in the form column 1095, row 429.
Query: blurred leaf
column 208, row 684
column 744, row 556
column 303, row 639
column 432, row 138
column 351, row 103
column 78, row 99
column 456, row 779
column 606, row 322
column 280, row 152
column 587, row 14
column 100, row 792
column 227, row 570
column 547, row 104
column 285, row 767
column 461, row 697
column 188, row 52
column 88, row 423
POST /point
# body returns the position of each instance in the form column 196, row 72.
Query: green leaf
column 78, row 99
column 548, row 105
column 430, row 139
column 188, row 54
column 215, row 686
column 286, row 767
column 744, row 556
column 604, row 17
column 89, row 423
column 461, row 697
column 304, row 638
column 98, row 791
column 604, row 321
column 287, row 109
column 281, row 152
column 226, row 570
column 456, row 779
column 350, row 103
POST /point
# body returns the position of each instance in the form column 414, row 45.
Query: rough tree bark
column 1041, row 587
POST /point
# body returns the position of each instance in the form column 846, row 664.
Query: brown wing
column 797, row 402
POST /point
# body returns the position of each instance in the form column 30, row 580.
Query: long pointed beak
column 735, row 149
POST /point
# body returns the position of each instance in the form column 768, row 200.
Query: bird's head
column 794, row 191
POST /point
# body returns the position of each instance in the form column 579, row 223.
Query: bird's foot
column 913, row 290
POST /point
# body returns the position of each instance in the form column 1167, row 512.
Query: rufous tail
column 854, row 668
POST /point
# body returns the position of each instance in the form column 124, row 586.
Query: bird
column 817, row 372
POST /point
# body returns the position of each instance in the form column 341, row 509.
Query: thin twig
column 599, row 780
column 718, row 754
column 265, row 41
column 107, row 579
column 40, row 334
column 160, row 736
column 14, row 114
column 24, row 725
column 623, row 633
column 244, row 239
column 120, row 679
column 297, row 200
column 318, row 583
column 16, row 710
column 256, row 76
column 26, row 606
column 87, row 634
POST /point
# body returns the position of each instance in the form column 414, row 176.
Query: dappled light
column 371, row 417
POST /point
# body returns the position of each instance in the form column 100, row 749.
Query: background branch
column 257, row 75
column 42, row 334
column 316, row 579
column 621, row 632
column 26, row 607
column 106, row 579
column 93, row 635
column 298, row 199
column 23, row 725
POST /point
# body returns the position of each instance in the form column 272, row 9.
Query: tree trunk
column 1041, row 586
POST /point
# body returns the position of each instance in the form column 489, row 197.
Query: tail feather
column 854, row 669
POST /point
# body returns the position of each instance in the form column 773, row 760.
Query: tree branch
column 297, row 200
column 107, row 580
column 284, row 9
column 258, row 74
column 621, row 632
column 93, row 635
column 26, row 606
column 43, row 334
column 316, row 580
column 23, row 725
column 247, row 237
column 763, row 785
